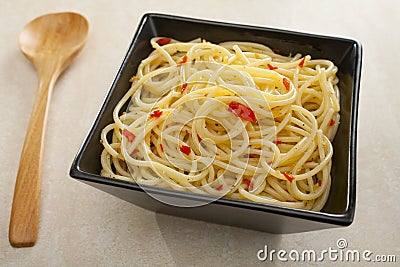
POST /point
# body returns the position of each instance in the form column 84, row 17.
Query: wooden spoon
column 50, row 42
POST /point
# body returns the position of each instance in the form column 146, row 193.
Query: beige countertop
column 81, row 226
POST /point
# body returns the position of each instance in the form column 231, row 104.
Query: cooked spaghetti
column 233, row 119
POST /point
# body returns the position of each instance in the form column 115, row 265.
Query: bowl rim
column 343, row 219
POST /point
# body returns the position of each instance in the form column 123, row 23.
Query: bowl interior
column 344, row 53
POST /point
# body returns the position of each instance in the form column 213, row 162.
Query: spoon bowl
column 54, row 35
column 50, row 42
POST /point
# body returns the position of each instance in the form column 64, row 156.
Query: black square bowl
column 340, row 207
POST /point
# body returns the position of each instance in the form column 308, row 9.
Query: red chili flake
column 163, row 41
column 199, row 138
column 319, row 182
column 186, row 131
column 242, row 111
column 184, row 59
column 301, row 64
column 289, row 177
column 184, row 86
column 254, row 156
column 134, row 152
column 130, row 136
column 286, row 83
column 270, row 163
column 277, row 142
column 156, row 114
column 162, row 147
column 185, row 149
column 332, row 122
column 219, row 188
column 276, row 51
column 271, row 67
column 247, row 182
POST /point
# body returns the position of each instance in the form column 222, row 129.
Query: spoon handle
column 26, row 202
